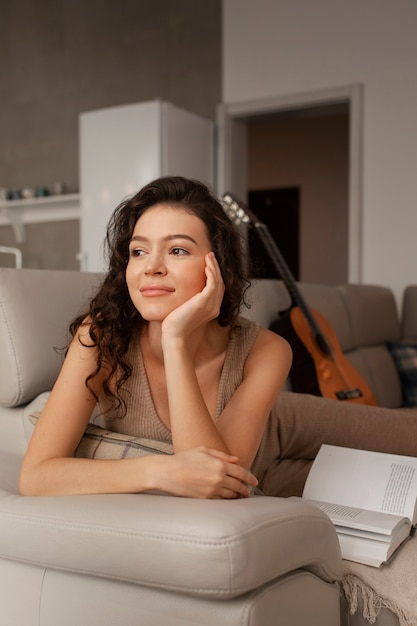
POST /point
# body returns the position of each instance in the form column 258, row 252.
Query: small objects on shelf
column 14, row 195
column 41, row 192
column 27, row 193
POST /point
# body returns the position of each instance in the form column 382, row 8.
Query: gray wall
column 61, row 57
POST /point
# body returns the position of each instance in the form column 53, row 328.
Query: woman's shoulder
column 82, row 333
column 265, row 340
column 83, row 343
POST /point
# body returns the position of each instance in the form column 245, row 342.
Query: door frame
column 231, row 151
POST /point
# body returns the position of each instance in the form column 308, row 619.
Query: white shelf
column 18, row 213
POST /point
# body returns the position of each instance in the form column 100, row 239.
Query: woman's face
column 166, row 260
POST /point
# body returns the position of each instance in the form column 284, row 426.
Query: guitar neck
column 242, row 214
column 284, row 271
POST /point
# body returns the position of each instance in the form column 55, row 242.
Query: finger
column 235, row 489
column 233, row 470
column 212, row 277
column 214, row 291
column 218, row 274
column 214, row 262
column 243, row 475
column 226, row 494
column 213, row 267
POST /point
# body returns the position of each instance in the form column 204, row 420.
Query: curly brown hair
column 112, row 318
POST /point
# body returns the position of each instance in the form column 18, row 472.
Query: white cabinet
column 123, row 148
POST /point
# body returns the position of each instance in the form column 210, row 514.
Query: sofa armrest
column 211, row 548
column 36, row 307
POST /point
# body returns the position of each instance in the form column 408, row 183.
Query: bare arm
column 50, row 469
column 191, row 422
column 244, row 418
column 240, row 427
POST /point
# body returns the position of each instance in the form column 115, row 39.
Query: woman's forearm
column 196, row 473
column 191, row 422
column 69, row 476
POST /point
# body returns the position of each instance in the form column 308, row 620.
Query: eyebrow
column 167, row 238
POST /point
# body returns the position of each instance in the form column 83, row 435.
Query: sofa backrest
column 364, row 318
column 36, row 307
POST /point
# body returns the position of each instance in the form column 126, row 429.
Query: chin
column 154, row 314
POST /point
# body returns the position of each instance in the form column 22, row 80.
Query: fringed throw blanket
column 392, row 586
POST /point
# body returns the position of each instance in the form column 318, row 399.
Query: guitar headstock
column 235, row 210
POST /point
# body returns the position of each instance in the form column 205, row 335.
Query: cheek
column 198, row 278
column 131, row 277
column 128, row 275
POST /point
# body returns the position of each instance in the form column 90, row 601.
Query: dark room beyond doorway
column 279, row 210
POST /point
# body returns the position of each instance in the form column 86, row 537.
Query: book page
column 362, row 522
column 366, row 480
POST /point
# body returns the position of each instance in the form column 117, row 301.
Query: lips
column 151, row 291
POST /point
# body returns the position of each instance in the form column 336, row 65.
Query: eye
column 177, row 251
column 136, row 252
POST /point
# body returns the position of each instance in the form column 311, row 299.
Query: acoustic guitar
column 319, row 365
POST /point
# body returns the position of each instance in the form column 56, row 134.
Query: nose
column 155, row 265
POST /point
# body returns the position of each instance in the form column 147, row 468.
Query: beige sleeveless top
column 142, row 420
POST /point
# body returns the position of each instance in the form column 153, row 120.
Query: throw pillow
column 99, row 443
column 405, row 359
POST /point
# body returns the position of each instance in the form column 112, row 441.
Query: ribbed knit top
column 142, row 420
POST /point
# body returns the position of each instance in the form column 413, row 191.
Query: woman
column 164, row 352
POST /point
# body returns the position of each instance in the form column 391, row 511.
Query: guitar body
column 319, row 365
column 314, row 372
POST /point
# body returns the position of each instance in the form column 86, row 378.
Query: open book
column 370, row 497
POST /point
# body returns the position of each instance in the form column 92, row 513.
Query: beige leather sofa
column 145, row 559
column 137, row 559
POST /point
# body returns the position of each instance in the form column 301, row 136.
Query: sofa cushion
column 405, row 358
column 264, row 300
column 363, row 317
column 376, row 366
column 100, row 443
column 373, row 314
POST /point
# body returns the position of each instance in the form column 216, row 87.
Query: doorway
column 330, row 235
